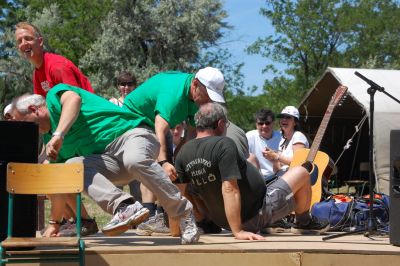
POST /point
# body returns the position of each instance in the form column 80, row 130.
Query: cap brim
column 215, row 97
column 282, row 115
column 7, row 109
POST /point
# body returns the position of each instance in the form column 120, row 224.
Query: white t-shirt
column 257, row 144
column 116, row 102
column 287, row 151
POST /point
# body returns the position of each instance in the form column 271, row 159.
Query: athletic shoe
column 125, row 217
column 280, row 226
column 88, row 227
column 314, row 227
column 155, row 224
column 189, row 231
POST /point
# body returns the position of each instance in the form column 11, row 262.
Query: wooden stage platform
column 222, row 250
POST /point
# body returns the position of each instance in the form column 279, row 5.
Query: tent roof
column 357, row 104
column 388, row 79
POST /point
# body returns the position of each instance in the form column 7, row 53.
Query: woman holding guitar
column 292, row 139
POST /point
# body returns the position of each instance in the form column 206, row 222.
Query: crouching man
column 115, row 147
column 233, row 190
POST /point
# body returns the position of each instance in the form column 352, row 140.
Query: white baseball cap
column 214, row 81
column 7, row 109
column 290, row 110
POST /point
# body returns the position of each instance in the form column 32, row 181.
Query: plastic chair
column 26, row 178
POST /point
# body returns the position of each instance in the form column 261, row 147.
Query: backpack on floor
column 346, row 213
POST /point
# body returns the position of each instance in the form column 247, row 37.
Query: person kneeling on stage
column 233, row 190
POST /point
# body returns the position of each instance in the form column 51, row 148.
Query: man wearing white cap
column 169, row 98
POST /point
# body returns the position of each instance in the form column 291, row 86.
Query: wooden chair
column 26, row 178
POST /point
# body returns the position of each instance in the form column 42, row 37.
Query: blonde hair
column 29, row 26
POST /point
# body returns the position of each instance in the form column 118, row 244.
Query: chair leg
column 81, row 252
column 2, row 256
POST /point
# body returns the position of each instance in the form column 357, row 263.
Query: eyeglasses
column 267, row 123
column 123, row 84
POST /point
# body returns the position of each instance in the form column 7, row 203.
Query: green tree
column 312, row 35
column 371, row 34
column 308, row 35
column 149, row 36
column 73, row 25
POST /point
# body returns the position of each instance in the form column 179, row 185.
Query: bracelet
column 54, row 222
column 58, row 134
column 162, row 162
column 279, row 156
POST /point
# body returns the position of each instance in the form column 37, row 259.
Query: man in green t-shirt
column 115, row 147
column 169, row 98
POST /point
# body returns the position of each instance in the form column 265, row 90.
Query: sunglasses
column 286, row 117
column 264, row 123
column 123, row 84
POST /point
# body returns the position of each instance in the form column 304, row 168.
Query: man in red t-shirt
column 50, row 69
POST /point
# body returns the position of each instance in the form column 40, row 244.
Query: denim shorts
column 278, row 202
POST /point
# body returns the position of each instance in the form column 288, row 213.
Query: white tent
column 345, row 118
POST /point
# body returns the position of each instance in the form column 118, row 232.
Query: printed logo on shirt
column 197, row 170
column 45, row 85
column 202, row 180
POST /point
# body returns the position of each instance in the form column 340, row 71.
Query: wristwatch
column 162, row 162
column 58, row 134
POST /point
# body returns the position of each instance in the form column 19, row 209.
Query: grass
column 102, row 217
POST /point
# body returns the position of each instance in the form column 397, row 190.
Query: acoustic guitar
column 315, row 161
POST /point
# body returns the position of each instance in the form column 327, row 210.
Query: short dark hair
column 125, row 76
column 263, row 114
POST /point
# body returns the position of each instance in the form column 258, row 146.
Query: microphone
column 370, row 82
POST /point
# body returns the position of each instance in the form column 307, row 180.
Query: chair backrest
column 29, row 178
column 26, row 178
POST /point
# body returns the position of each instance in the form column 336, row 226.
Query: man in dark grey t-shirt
column 233, row 190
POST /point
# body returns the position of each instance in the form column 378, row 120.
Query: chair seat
column 21, row 242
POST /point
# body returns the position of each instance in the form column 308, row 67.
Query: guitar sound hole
column 308, row 166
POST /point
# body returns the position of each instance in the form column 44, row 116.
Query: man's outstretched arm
column 71, row 106
column 231, row 195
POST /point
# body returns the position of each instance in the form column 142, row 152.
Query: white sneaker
column 189, row 232
column 126, row 216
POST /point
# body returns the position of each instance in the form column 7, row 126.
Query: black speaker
column 394, row 208
column 18, row 143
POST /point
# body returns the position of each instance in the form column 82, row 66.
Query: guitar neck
column 320, row 133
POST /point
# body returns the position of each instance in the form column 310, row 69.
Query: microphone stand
column 371, row 221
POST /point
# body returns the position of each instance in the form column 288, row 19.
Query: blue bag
column 336, row 212
column 354, row 214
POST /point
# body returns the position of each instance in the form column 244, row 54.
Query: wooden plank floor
column 222, row 249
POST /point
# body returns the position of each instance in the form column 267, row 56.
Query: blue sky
column 244, row 16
